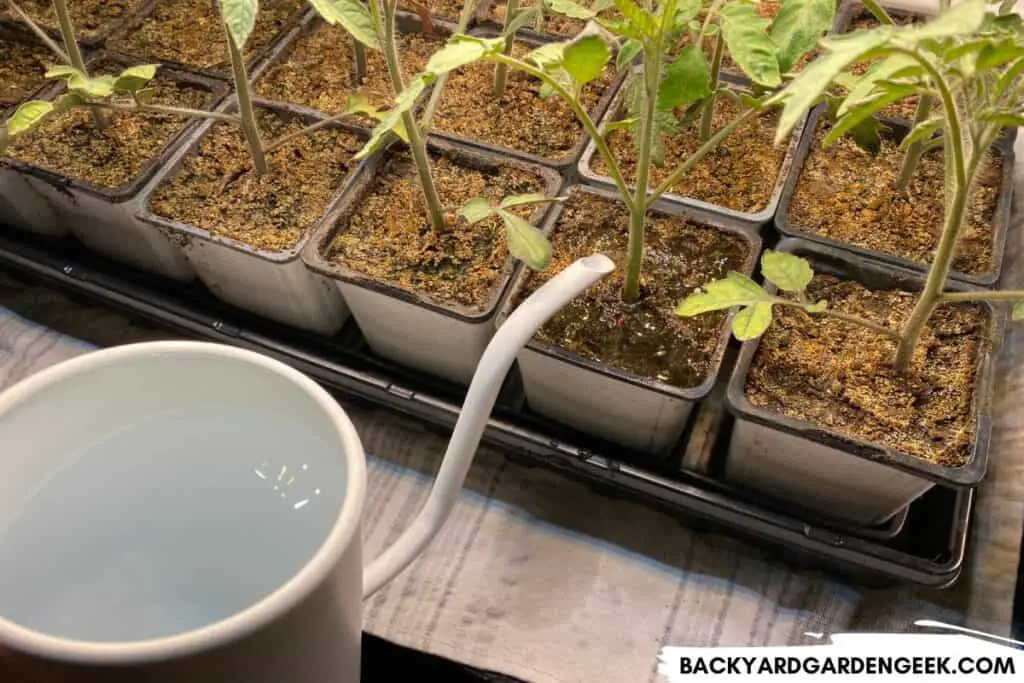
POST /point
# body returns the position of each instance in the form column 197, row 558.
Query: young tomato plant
column 971, row 61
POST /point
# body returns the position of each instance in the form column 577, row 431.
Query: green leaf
column 546, row 56
column 961, row 19
column 629, row 124
column 752, row 321
column 240, row 17
column 638, row 19
column 865, row 88
column 525, row 242
column 99, row 86
column 798, row 27
column 1007, row 120
column 476, row 209
column 788, row 272
column 405, row 102
column 735, row 289
column 686, row 11
column 457, row 53
column 746, row 36
column 1017, row 313
column 996, row 54
column 354, row 17
column 27, row 116
column 522, row 19
column 569, row 8
column 819, row 307
column 922, row 131
column 135, row 78
column 63, row 71
column 803, row 91
column 629, row 50
column 1010, row 76
column 524, row 199
column 623, row 29
column 585, row 58
column 858, row 115
column 685, row 80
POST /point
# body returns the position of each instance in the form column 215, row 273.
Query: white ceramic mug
column 190, row 512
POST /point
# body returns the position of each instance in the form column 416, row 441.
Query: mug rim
column 345, row 530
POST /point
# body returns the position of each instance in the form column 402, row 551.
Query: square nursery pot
column 641, row 413
column 273, row 284
column 565, row 162
column 1000, row 220
column 145, row 8
column 104, row 219
column 751, row 221
column 88, row 39
column 841, row 477
column 21, row 206
column 422, row 333
column 281, row 51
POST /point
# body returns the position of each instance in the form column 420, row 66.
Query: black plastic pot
column 563, row 163
column 750, row 221
column 637, row 412
column 928, row 551
column 1001, row 218
column 12, row 22
column 419, row 332
column 104, row 218
column 146, row 8
column 836, row 475
column 274, row 284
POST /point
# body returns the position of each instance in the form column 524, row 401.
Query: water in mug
column 169, row 525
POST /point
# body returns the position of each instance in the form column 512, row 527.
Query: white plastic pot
column 640, row 413
column 275, row 285
column 838, row 477
column 425, row 335
column 195, row 558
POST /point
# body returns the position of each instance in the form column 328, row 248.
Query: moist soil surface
column 318, row 70
column 189, row 32
column 92, row 19
column 845, row 194
column 555, row 25
column 839, row 375
column 740, row 174
column 520, row 119
column 388, row 235
column 646, row 338
column 21, row 70
column 218, row 190
column 71, row 145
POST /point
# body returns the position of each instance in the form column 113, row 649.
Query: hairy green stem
column 39, row 32
column 878, row 12
column 417, row 143
column 955, row 209
column 501, row 70
column 162, row 109
column 709, row 106
column 712, row 142
column 359, row 50
column 465, row 16
column 916, row 150
column 846, row 317
column 584, row 118
column 246, row 110
column 67, row 33
column 1003, row 295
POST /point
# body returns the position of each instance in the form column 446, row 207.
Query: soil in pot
column 318, row 70
column 217, row 189
column 741, row 174
column 22, row 66
column 92, row 19
column 555, row 25
column 646, row 338
column 839, row 375
column 388, row 235
column 190, row 32
column 520, row 119
column 447, row 10
column 846, row 194
column 72, row 146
